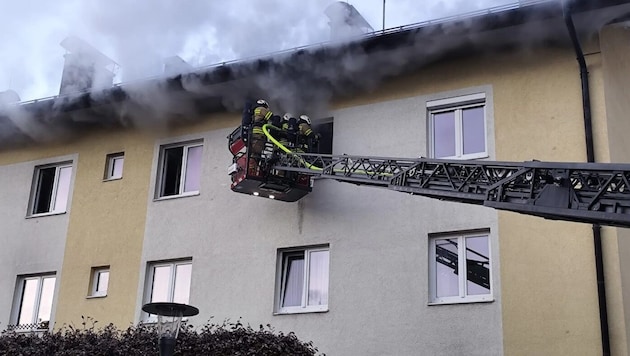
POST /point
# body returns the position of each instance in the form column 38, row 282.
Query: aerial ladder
column 596, row 193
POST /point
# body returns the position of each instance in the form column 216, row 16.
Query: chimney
column 346, row 21
column 176, row 65
column 85, row 67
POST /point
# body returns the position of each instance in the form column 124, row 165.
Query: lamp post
column 169, row 319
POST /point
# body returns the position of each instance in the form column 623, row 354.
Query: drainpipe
column 590, row 156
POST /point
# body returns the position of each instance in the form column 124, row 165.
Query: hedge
column 226, row 339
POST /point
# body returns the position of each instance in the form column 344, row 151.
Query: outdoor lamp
column 169, row 320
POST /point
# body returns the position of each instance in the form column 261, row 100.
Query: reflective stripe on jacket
column 305, row 129
column 261, row 117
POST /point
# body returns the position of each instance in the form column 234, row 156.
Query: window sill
column 96, row 296
column 185, row 195
column 45, row 214
column 466, row 157
column 462, row 301
column 112, row 179
column 301, row 311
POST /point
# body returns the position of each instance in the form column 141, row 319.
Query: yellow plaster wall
column 106, row 228
column 548, row 277
column 615, row 47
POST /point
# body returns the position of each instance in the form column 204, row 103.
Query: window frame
column 18, row 302
column 457, row 104
column 110, row 162
column 160, row 177
column 281, row 269
column 36, row 191
column 462, row 297
column 94, row 279
column 149, row 282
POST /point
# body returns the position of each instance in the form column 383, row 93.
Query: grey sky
column 138, row 35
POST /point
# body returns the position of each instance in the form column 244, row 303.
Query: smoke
column 138, row 36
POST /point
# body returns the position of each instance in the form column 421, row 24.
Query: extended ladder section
column 597, row 193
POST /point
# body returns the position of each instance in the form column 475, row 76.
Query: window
column 180, row 169
column 51, row 188
column 458, row 127
column 99, row 282
column 169, row 282
column 324, row 127
column 114, row 166
column 33, row 303
column 302, row 280
column 459, row 268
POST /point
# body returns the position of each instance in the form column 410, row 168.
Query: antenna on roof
column 383, row 15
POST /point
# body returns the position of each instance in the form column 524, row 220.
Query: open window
column 99, row 282
column 324, row 127
column 51, row 188
column 114, row 166
column 180, row 169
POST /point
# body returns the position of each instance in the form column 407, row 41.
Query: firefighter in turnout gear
column 307, row 139
column 289, row 128
column 260, row 114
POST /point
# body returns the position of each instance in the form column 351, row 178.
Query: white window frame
column 110, row 164
column 280, row 281
column 182, row 174
column 34, row 324
column 463, row 297
column 457, row 104
column 96, row 275
column 35, row 191
column 150, row 318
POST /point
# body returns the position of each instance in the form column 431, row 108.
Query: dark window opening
column 325, row 129
column 171, row 173
column 44, row 193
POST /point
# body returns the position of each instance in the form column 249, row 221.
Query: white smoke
column 138, row 35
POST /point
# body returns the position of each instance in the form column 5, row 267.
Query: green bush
column 227, row 339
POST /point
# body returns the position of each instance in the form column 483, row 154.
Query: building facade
column 113, row 218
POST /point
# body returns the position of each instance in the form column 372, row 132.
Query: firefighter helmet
column 306, row 119
column 288, row 116
column 263, row 103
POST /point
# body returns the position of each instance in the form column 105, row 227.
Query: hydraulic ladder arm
column 581, row 192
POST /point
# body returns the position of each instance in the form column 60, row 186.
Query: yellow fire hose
column 265, row 129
